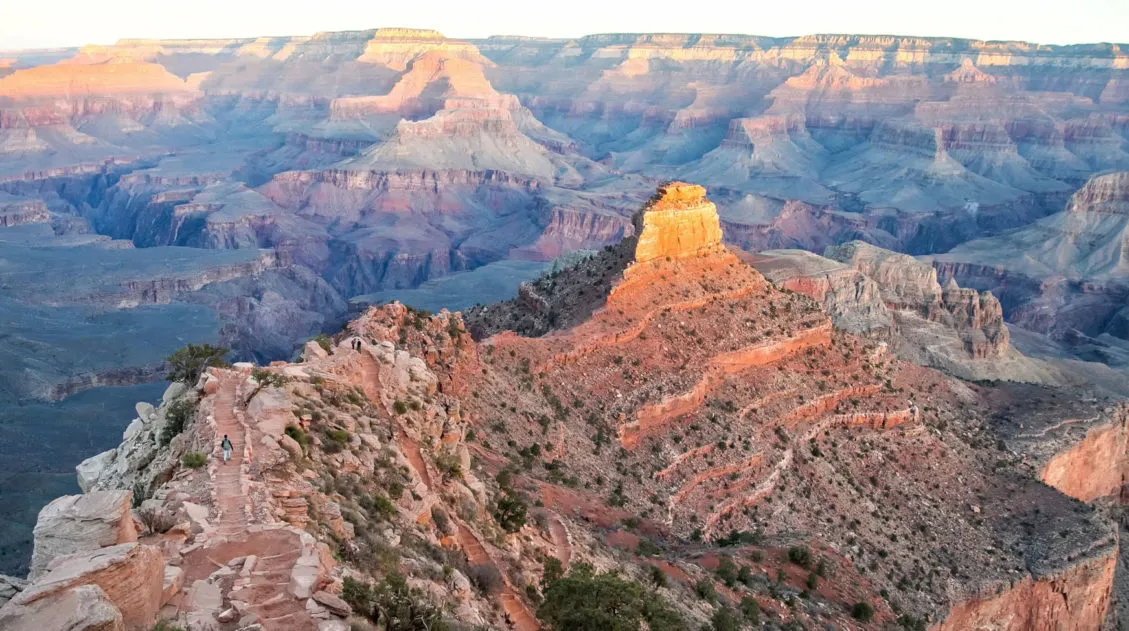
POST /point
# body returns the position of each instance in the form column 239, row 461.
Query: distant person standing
column 226, row 447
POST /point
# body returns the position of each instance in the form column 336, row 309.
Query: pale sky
column 49, row 23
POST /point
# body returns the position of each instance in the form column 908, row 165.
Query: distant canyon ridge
column 244, row 191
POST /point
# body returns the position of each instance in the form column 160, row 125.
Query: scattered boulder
column 174, row 391
column 82, row 608
column 90, row 470
column 80, row 523
column 312, row 570
column 333, row 603
column 173, row 581
column 130, row 575
column 9, row 587
column 145, row 411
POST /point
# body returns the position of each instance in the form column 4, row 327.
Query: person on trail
column 225, row 445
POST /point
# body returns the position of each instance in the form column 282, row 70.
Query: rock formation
column 679, row 223
column 371, row 160
column 1061, row 274
column 81, row 523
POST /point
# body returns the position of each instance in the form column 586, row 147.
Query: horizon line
column 122, row 40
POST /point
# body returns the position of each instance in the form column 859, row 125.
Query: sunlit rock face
column 680, row 222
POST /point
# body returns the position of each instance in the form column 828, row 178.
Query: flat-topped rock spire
column 678, row 222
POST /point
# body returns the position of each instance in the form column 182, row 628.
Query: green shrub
column 188, row 363
column 862, row 612
column 400, row 407
column 509, row 511
column 584, row 600
column 800, row 555
column 551, row 570
column 449, row 465
column 751, row 610
column 393, row 605
column 377, row 506
column 299, row 435
column 177, row 415
column 194, row 460
column 324, row 342
column 745, row 576
column 727, row 571
column 647, row 548
column 165, row 625
column 335, row 440
column 338, row 436
column 705, row 590
column 724, row 620
column 658, row 576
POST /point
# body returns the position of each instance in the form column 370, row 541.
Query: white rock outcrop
column 81, row 523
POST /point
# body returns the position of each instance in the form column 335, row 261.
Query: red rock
column 130, row 574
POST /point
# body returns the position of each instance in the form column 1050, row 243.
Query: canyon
column 699, row 415
column 908, row 243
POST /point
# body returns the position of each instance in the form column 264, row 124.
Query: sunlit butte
column 78, row 22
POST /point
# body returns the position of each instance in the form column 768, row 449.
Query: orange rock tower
column 679, row 222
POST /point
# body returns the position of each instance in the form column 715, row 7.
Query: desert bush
column 509, row 511
column 862, row 612
column 188, row 363
column 156, row 520
column 800, row 555
column 449, row 465
column 194, row 460
column 724, row 620
column 442, row 521
column 165, row 625
column 727, row 571
column 705, row 590
column 393, row 605
column 485, row 577
column 299, row 435
column 377, row 506
column 751, row 610
column 585, row 600
column 658, row 576
column 177, row 415
column 551, row 570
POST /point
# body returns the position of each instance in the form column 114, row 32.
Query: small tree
column 177, row 415
column 509, row 512
column 862, row 611
column 266, row 379
column 188, row 363
column 551, row 571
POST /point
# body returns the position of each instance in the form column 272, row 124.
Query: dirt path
column 560, row 539
column 369, row 380
column 415, row 457
column 516, row 612
column 267, row 587
column 231, row 502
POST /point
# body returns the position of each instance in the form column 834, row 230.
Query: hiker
column 226, row 447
